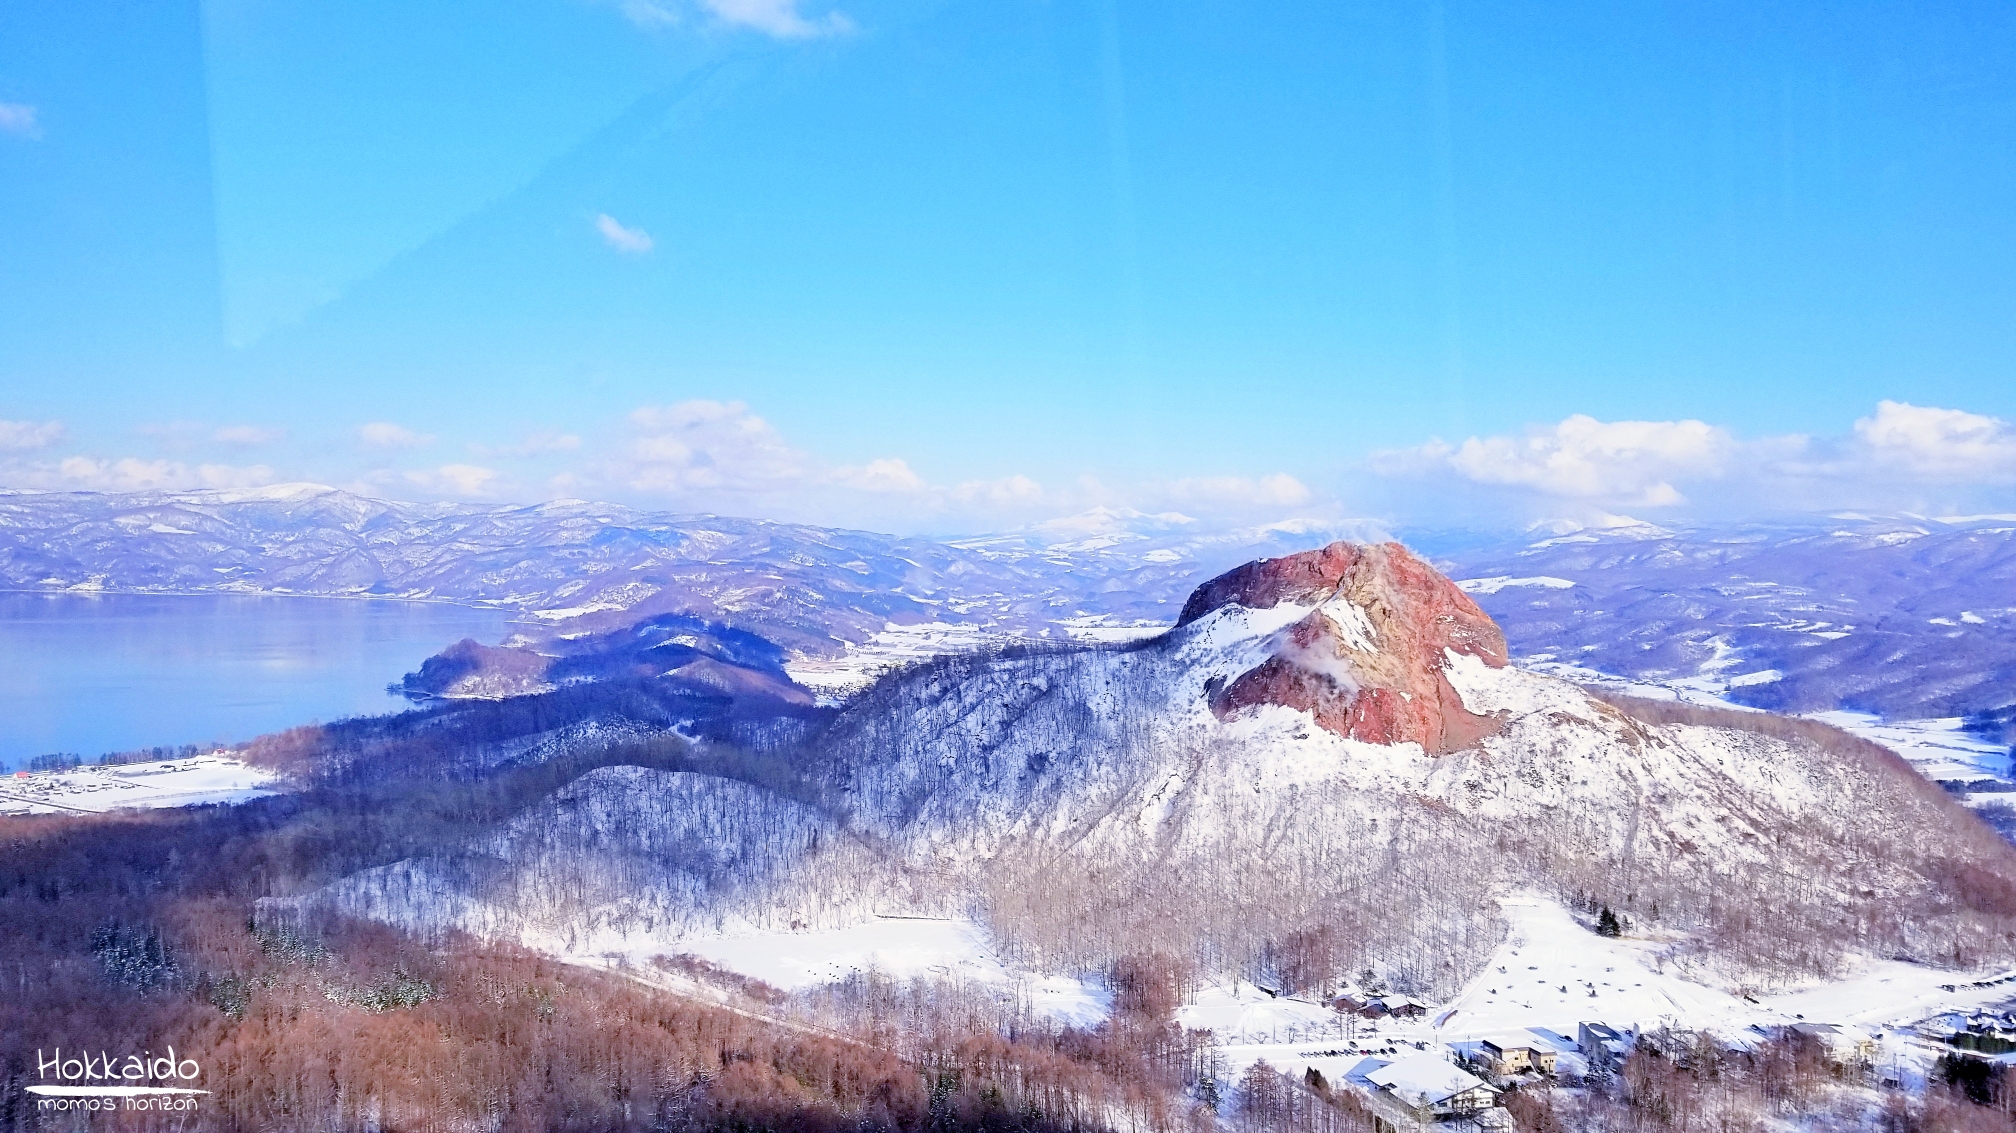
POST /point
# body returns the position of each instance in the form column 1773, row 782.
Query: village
column 1561, row 1007
column 1414, row 1075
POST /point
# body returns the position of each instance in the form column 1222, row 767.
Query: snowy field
column 1551, row 973
column 835, row 679
column 170, row 783
column 1937, row 748
column 902, row 948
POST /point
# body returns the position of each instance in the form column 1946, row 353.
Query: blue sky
column 954, row 266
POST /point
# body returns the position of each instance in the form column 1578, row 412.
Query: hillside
column 1190, row 817
column 1327, row 767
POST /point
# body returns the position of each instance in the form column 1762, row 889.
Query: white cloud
column 127, row 475
column 721, row 456
column 385, row 434
column 459, row 479
column 245, row 436
column 708, row 446
column 650, row 14
column 779, row 18
column 19, row 119
column 1900, row 457
column 20, row 435
column 890, row 474
column 1939, row 444
column 1277, row 490
column 630, row 241
column 1628, row 462
column 130, row 474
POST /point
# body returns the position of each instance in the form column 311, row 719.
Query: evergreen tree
column 1607, row 925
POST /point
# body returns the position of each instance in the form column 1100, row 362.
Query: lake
column 96, row 673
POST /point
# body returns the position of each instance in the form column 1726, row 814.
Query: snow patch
column 1352, row 623
column 904, row 948
column 1763, row 677
column 1499, row 582
column 1486, row 691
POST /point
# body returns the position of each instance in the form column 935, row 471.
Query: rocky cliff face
column 1368, row 660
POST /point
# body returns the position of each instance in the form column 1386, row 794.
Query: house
column 1844, row 1044
column 1603, row 1048
column 1984, row 1032
column 1430, row 1087
column 1402, row 1007
column 1379, row 1006
column 1514, row 1057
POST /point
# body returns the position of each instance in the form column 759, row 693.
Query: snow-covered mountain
column 1898, row 616
column 1327, row 766
column 703, row 655
column 591, row 568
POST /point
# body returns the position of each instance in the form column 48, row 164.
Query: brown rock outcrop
column 1370, row 665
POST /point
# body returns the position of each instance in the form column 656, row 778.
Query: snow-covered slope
column 1105, row 800
column 625, row 857
column 1091, row 802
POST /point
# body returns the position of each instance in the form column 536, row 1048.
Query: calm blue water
column 91, row 674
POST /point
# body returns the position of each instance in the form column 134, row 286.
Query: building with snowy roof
column 1404, row 1007
column 1517, row 1055
column 1602, row 1046
column 1429, row 1087
column 1843, row 1043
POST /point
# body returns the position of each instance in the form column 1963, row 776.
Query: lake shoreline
column 101, row 671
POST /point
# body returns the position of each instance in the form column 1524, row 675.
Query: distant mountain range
column 1900, row 616
column 588, row 567
column 1903, row 616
